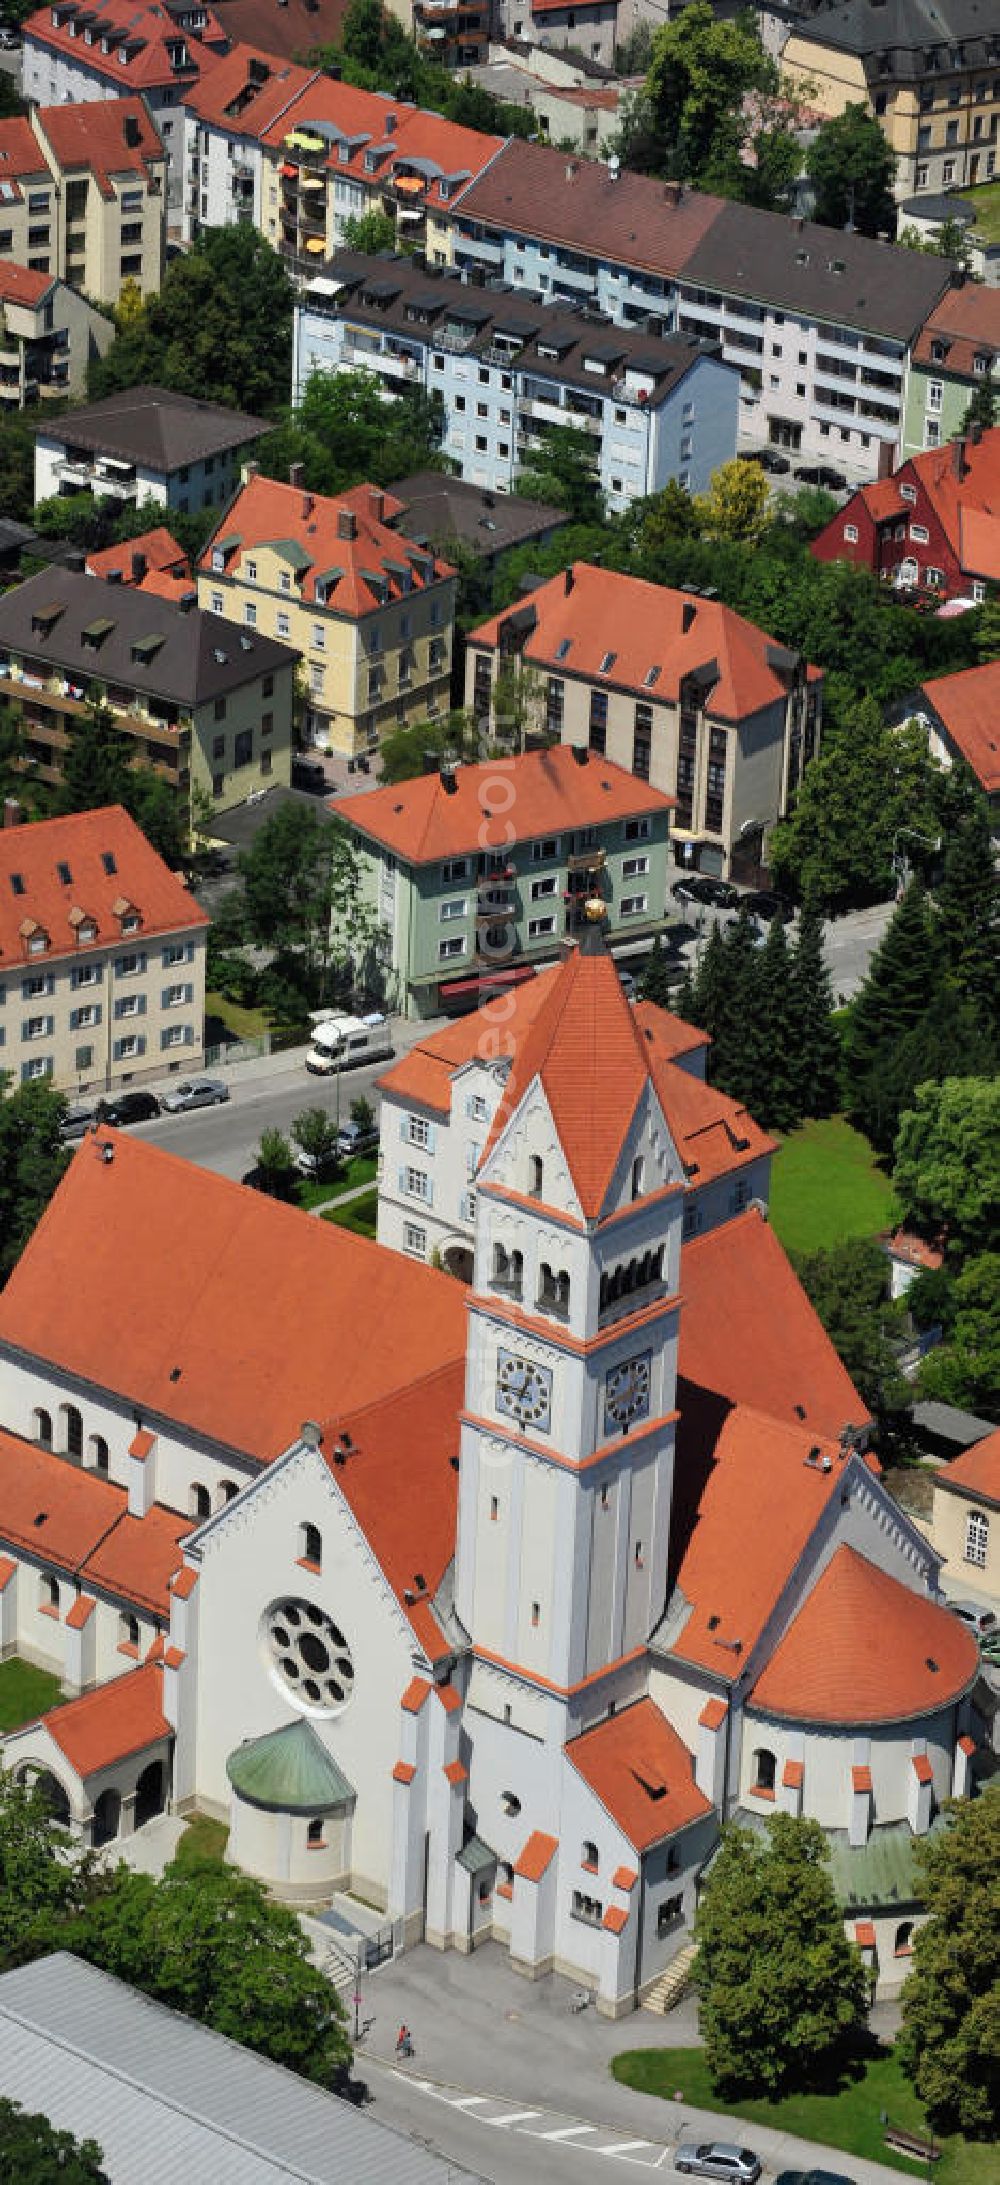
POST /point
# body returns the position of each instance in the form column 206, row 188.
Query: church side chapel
column 487, row 1603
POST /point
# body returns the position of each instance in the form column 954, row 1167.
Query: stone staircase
column 671, row 1985
column 341, row 1972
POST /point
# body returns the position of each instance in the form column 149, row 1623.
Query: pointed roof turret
column 592, row 1063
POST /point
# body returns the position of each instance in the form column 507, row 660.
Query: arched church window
column 128, row 1634
column 228, row 1492
column 638, row 1176
column 48, row 1594
column 511, row 1804
column 99, row 1453
column 309, row 1653
column 588, row 1855
column 536, row 1175
column 42, row 1422
column 765, row 1769
column 314, row 1834
column 199, row 1500
column 72, row 1427
column 903, row 1945
column 311, row 1546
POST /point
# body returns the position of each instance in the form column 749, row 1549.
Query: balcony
column 587, row 860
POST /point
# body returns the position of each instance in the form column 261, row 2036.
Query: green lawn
column 361, row 1171
column 359, row 1214
column 25, row 1692
column 849, row 2120
column 203, row 1838
column 987, row 207
column 826, row 1185
column 242, row 1023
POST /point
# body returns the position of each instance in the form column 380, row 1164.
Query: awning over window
column 486, row 983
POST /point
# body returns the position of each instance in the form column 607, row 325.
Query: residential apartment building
column 819, row 322
column 957, row 350
column 153, row 562
column 651, row 409
column 155, row 50
column 370, row 612
column 476, row 875
column 48, row 335
column 965, row 1529
column 440, row 1099
column 223, row 121
column 933, row 527
column 928, row 70
column 675, row 687
column 208, row 707
column 83, row 196
column 961, row 714
column 103, row 964
column 146, row 444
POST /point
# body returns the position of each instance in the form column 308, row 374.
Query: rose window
column 310, row 1653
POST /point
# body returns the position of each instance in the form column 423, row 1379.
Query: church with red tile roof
column 487, row 1599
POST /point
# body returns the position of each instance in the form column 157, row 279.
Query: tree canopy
column 736, row 505
column 950, row 2038
column 33, row 1157
column 767, row 1011
column 98, row 770
column 377, row 54
column 343, row 432
column 709, row 113
column 849, row 1287
column 851, row 168
column 782, row 1991
column 965, row 1368
column 34, row 2152
column 947, row 1170
column 561, row 469
column 220, row 328
column 302, row 885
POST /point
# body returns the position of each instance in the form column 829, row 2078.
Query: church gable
column 649, row 1161
column 528, row 1159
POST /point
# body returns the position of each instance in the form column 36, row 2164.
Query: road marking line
column 625, row 2146
column 470, row 2101
column 517, row 2116
column 566, row 2131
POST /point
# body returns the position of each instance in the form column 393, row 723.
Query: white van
column 343, row 1043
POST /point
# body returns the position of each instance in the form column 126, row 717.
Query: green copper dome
column 288, row 1771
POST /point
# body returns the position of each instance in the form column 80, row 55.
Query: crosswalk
column 572, row 2133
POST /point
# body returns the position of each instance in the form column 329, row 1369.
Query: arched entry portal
column 150, row 1793
column 457, row 1260
column 51, row 1791
column 107, row 1817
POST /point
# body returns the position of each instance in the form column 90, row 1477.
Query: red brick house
column 934, row 526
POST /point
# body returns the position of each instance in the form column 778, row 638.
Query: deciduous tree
column 371, row 232
column 851, row 168
column 950, row 2038
column 561, row 469
column 315, row 1133
column 33, row 1158
column 275, row 1165
column 947, row 1170
column 44, row 1878
column 699, row 107
column 965, row 1369
column 220, row 327
column 300, row 875
column 343, row 433
column 782, row 1991
column 849, row 1287
column 736, row 505
column 34, row 2152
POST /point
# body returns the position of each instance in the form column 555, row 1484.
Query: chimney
column 139, row 568
column 958, row 462
column 581, row 754
column 133, row 133
column 390, row 125
column 12, row 813
column 975, row 434
column 114, row 576
column 688, row 612
column 308, row 504
column 672, row 192
column 568, row 578
column 76, row 561
column 186, row 601
column 250, row 470
column 347, row 524
column 297, row 475
column 376, row 502
column 448, row 781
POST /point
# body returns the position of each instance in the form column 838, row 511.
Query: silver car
column 195, row 1092
column 717, row 2158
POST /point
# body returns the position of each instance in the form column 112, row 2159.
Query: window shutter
column 189, row 953
column 141, row 1043
column 164, row 1038
column 164, row 991
column 429, row 1201
column 404, row 1128
column 50, row 1025
column 402, row 1179
column 189, row 1035
column 189, row 992
column 74, row 1019
column 431, row 1137
column 142, row 1005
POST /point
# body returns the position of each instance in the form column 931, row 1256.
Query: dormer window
column 218, row 559
column 64, row 873
column 981, row 363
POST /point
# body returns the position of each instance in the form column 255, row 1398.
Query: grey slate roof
column 155, row 427
column 441, row 509
column 167, row 2099
column 201, row 656
column 791, row 264
column 905, row 29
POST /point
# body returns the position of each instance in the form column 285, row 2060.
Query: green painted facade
column 925, row 406
column 444, row 922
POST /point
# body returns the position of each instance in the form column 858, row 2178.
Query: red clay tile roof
column 914, row 1251
column 142, row 1444
column 976, row 1471
column 642, row 1772
column 537, row 1856
column 19, row 154
column 968, row 320
column 861, row 1780
column 448, row 1697
column 180, row 1352
column 455, row 1774
column 834, row 1663
column 534, row 190
column 423, row 822
column 93, row 134
column 81, row 1612
column 147, row 31
column 968, row 707
column 266, row 513
column 713, row 1134
column 748, row 1331
column 162, row 555
column 183, row 1583
column 761, row 1492
column 586, row 1050
column 76, row 1521
column 402, row 1487
column 7, row 1570
column 245, row 90
column 140, row 1557
column 81, row 842
column 412, row 141
column 111, row 1723
column 414, row 1696
column 19, row 285
column 642, row 625
column 967, row 1745
column 283, row 30
column 967, row 508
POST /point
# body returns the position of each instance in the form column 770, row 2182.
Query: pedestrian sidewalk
column 261, row 1069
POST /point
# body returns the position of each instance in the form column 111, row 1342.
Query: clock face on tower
column 524, row 1390
column 626, row 1392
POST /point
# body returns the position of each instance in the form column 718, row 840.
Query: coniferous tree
column 967, row 895
column 776, row 1097
column 815, row 1046
column 654, row 985
column 902, row 981
column 738, row 1063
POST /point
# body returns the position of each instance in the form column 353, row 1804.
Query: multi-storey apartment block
column 83, row 196
column 820, row 323
column 956, row 352
column 47, row 336
column 933, row 527
column 677, row 688
column 155, row 50
column 103, row 978
column 370, row 612
column 226, row 114
column 146, row 444
column 928, row 70
column 209, row 707
column 652, row 409
column 475, row 875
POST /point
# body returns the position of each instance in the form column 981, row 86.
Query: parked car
column 354, row 1139
column 822, row 474
column 309, row 774
column 683, row 891
column 770, row 459
column 813, row 2177
column 77, row 1120
column 763, row 903
column 979, row 1619
column 718, row 2158
column 195, row 1092
column 702, row 887
column 128, row 1107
